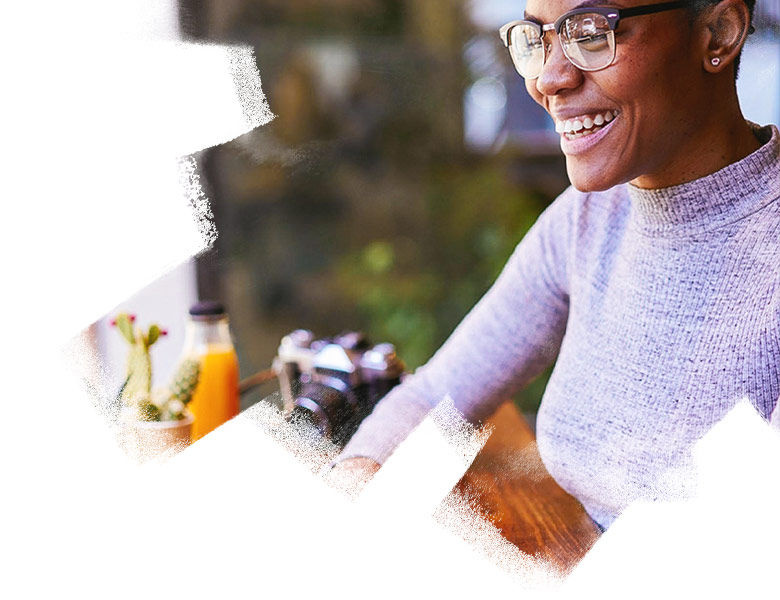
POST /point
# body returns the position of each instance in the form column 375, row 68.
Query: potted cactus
column 154, row 420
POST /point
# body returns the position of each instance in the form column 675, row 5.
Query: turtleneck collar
column 715, row 200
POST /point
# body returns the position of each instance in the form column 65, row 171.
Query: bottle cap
column 207, row 308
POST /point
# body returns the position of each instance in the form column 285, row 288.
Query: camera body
column 334, row 383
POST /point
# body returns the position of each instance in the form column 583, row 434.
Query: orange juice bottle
column 207, row 336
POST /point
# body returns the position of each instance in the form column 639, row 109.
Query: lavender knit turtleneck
column 663, row 307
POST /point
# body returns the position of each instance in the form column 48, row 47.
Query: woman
column 654, row 279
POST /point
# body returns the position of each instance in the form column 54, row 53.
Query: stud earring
column 715, row 61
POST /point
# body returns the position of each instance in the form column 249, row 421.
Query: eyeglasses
column 587, row 36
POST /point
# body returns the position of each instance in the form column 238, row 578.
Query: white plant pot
column 144, row 440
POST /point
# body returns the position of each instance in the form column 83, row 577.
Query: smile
column 580, row 134
column 584, row 125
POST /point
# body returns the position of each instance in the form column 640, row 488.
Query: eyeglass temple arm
column 649, row 9
column 654, row 8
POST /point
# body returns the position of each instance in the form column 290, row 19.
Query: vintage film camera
column 334, row 383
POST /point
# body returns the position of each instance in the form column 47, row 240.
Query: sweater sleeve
column 512, row 334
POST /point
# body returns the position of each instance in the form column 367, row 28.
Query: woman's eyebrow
column 527, row 17
column 584, row 4
column 599, row 3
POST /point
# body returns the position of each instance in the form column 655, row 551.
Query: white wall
column 758, row 84
column 165, row 302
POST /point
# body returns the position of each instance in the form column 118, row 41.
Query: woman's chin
column 589, row 178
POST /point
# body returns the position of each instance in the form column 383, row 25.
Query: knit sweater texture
column 663, row 310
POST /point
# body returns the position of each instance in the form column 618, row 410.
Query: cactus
column 137, row 388
column 160, row 404
column 148, row 411
column 184, row 381
column 139, row 374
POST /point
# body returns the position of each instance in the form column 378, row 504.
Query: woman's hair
column 699, row 4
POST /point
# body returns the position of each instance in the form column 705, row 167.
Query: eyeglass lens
column 527, row 50
column 587, row 41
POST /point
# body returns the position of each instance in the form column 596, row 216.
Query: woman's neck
column 725, row 138
column 725, row 196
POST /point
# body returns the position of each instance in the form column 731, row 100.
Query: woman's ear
column 725, row 26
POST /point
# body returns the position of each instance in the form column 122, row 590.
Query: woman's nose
column 558, row 74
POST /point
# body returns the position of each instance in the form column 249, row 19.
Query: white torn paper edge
column 723, row 542
column 429, row 462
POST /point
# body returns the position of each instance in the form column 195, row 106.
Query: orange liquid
column 215, row 400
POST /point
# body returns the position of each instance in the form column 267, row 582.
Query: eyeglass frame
column 612, row 15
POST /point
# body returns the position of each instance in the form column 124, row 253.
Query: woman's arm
column 507, row 339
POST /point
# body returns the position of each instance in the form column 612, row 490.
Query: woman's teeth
column 584, row 125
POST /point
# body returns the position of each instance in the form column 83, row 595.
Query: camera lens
column 328, row 408
column 309, row 414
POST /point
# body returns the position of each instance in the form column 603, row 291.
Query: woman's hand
column 352, row 474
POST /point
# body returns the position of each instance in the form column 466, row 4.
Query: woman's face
column 652, row 99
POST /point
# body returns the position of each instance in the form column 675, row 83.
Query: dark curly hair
column 751, row 4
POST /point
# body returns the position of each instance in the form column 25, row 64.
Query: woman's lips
column 583, row 143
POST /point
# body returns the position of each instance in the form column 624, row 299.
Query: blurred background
column 405, row 163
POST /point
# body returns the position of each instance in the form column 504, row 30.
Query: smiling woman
column 675, row 119
column 653, row 279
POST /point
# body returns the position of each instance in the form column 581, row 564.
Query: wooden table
column 509, row 486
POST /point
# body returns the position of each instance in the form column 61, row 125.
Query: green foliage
column 415, row 294
column 528, row 400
